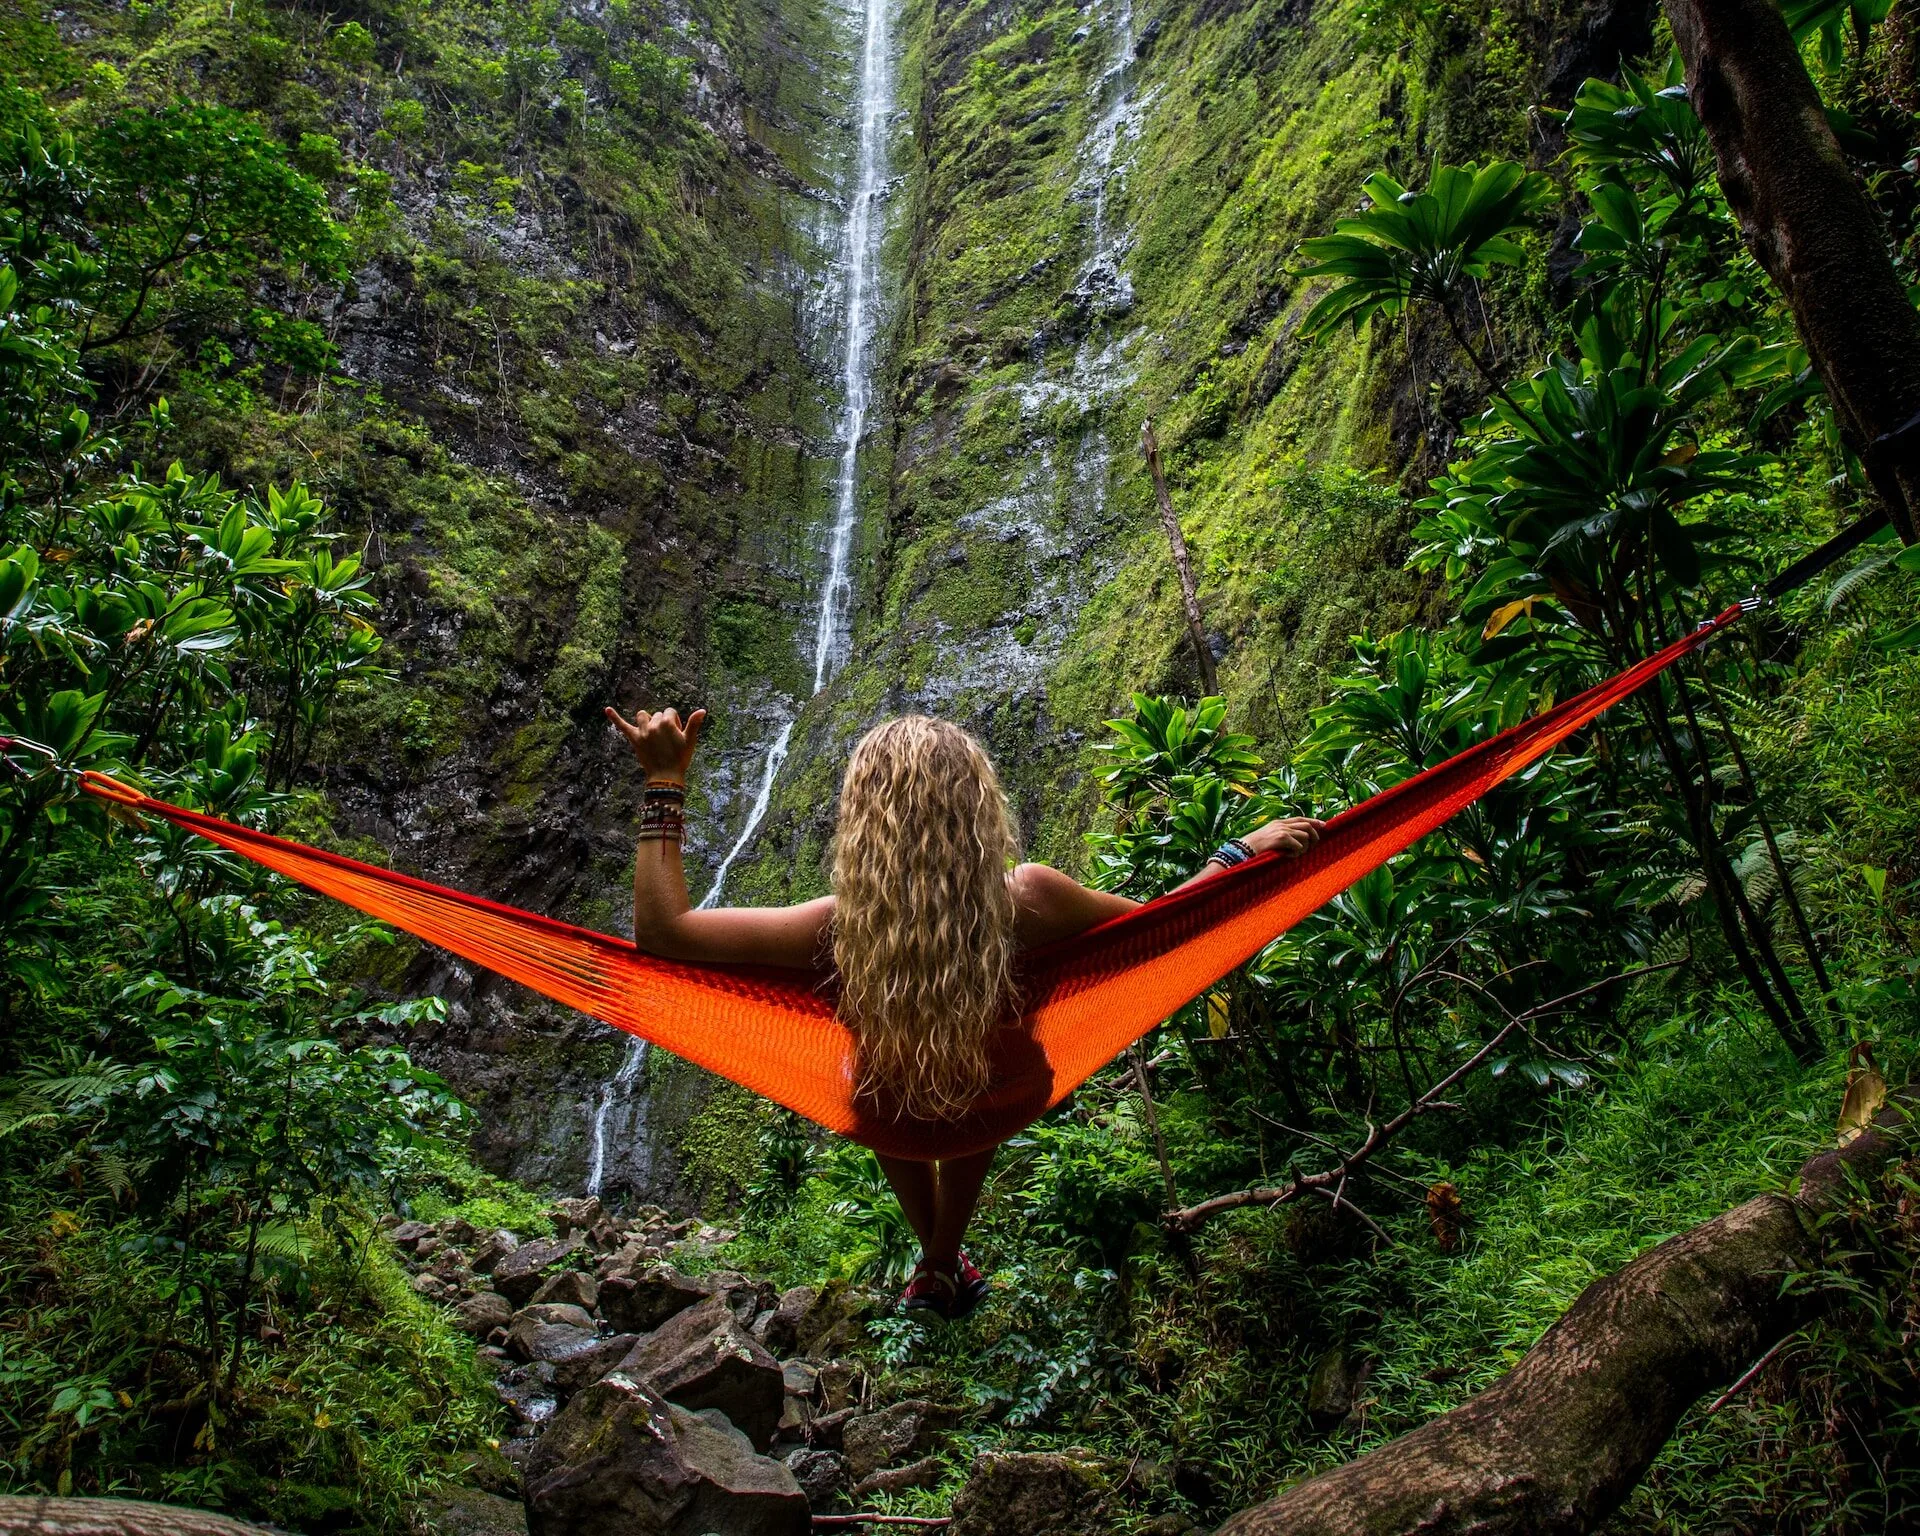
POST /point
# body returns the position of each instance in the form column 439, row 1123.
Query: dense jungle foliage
column 1656, row 949
column 1653, row 951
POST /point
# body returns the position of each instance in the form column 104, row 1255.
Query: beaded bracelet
column 662, row 811
column 661, row 822
column 1231, row 854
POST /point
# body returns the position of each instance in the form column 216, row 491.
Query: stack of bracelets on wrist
column 662, row 811
column 1230, row 854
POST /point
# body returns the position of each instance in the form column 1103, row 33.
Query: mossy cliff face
column 578, row 419
column 1102, row 206
column 589, row 388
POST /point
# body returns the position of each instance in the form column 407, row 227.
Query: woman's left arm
column 664, row 920
column 1054, row 906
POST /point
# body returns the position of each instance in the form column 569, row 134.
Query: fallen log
column 112, row 1517
column 1559, row 1442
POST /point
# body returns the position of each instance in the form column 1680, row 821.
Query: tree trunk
column 1189, row 594
column 1810, row 225
column 112, row 1517
column 1558, row 1442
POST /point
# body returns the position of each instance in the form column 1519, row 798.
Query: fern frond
column 1687, row 888
column 1876, row 560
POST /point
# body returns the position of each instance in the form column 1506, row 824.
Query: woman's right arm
column 665, row 921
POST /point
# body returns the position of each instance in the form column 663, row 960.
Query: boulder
column 800, row 1379
column 820, row 1474
column 620, row 1460
column 466, row 1512
column 779, row 1328
column 427, row 1247
column 825, row 1431
column 744, row 1297
column 531, row 1339
column 842, row 1384
column 834, row 1321
column 458, row 1231
column 408, row 1234
column 586, row 1366
column 923, row 1473
column 490, row 1248
column 630, row 1256
column 640, row 1302
column 519, row 1274
column 703, row 1358
column 1334, row 1387
column 570, row 1285
column 1012, row 1494
column 480, row 1315
column 564, row 1313
column 876, row 1440
column 795, row 1418
column 575, row 1215
column 725, row 1425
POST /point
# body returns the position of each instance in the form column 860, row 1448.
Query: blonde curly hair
column 923, row 928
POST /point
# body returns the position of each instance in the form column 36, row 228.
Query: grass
column 361, row 1398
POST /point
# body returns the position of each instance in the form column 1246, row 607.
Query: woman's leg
column 916, row 1186
column 957, row 1192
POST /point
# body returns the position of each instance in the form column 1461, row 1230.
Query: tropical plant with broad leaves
column 1424, row 247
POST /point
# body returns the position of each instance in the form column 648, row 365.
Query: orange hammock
column 1086, row 999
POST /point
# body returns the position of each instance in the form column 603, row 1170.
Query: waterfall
column 859, row 264
column 856, row 367
column 1102, row 288
column 620, row 1087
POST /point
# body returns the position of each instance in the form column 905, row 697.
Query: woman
column 928, row 915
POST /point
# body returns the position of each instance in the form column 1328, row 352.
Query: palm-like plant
column 1424, row 247
column 1640, row 127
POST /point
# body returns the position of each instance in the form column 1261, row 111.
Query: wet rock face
column 622, row 1461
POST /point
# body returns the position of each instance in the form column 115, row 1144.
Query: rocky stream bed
column 653, row 1392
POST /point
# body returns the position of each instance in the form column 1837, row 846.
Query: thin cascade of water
column 831, row 627
column 619, row 1090
column 1102, row 288
column 856, row 373
column 619, row 1086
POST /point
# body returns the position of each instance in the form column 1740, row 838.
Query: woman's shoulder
column 1053, row 905
column 1036, row 877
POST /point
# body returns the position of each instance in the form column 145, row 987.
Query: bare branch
column 1328, row 1180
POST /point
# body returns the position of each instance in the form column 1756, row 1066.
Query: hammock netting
column 1085, row 999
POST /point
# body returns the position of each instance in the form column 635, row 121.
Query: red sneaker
column 969, row 1290
column 928, row 1291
